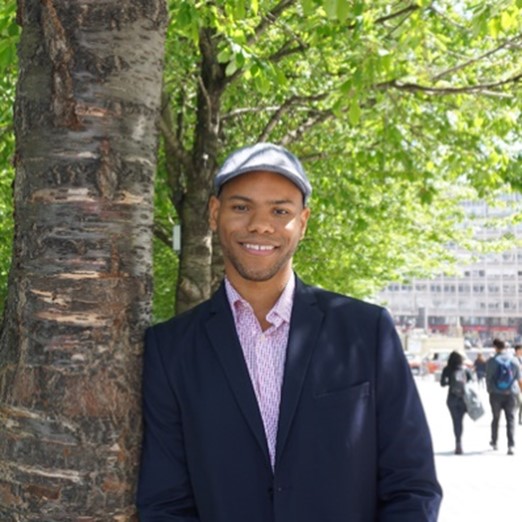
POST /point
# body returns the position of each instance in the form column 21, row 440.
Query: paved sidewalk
column 482, row 484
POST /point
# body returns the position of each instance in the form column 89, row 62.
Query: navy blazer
column 353, row 444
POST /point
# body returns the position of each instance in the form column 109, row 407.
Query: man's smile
column 258, row 248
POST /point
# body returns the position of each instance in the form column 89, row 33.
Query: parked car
column 415, row 362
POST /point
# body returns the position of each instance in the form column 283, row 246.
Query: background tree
column 79, row 289
column 9, row 34
column 399, row 111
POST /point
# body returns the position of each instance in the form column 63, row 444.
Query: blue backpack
column 504, row 376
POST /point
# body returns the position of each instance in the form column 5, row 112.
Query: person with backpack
column 455, row 375
column 518, row 355
column 503, row 383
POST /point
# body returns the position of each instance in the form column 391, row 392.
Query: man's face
column 260, row 219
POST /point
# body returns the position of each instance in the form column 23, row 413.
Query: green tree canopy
column 399, row 112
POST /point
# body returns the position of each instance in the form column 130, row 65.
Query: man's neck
column 260, row 295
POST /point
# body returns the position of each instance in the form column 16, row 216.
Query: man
column 275, row 401
column 518, row 355
column 503, row 381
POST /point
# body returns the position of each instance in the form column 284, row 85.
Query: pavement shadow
column 472, row 453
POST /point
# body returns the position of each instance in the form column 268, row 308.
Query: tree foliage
column 9, row 34
column 399, row 111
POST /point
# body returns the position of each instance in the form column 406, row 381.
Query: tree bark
column 194, row 278
column 79, row 291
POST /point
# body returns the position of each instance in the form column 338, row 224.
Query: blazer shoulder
column 171, row 335
column 332, row 301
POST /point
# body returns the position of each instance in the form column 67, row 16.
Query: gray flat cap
column 264, row 157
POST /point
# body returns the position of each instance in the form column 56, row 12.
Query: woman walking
column 456, row 375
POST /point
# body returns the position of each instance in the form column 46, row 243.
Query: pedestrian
column 455, row 375
column 503, row 383
column 479, row 365
column 518, row 355
column 275, row 401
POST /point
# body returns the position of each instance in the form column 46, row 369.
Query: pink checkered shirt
column 265, row 353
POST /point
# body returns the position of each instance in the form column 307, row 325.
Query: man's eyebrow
column 239, row 197
column 246, row 199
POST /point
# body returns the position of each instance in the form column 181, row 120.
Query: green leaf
column 224, row 55
column 506, row 21
column 330, row 7
column 231, row 67
column 494, row 27
column 354, row 114
column 308, row 7
column 343, row 10
column 239, row 9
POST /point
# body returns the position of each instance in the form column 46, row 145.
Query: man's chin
column 257, row 277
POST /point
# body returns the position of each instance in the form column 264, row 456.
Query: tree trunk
column 80, row 283
column 194, row 278
column 218, row 263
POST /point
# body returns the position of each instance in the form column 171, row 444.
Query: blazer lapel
column 224, row 340
column 304, row 330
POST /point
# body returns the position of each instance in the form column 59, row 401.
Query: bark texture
column 191, row 177
column 80, row 284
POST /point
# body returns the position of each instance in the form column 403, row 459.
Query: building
column 483, row 298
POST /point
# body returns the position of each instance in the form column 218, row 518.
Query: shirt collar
column 280, row 312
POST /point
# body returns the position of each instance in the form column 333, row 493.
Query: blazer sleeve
column 164, row 489
column 408, row 489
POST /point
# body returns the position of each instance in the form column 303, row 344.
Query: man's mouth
column 258, row 248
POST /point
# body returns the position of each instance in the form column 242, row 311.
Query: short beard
column 259, row 276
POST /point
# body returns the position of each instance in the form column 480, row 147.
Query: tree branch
column 405, row 11
column 284, row 109
column 287, row 50
column 484, row 88
column 162, row 234
column 401, row 12
column 308, row 124
column 505, row 44
column 176, row 157
column 169, row 135
column 247, row 110
column 269, row 19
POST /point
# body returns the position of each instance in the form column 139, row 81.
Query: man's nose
column 261, row 223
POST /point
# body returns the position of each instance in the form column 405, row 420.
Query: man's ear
column 213, row 212
column 305, row 214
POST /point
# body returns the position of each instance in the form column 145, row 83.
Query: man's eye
column 281, row 211
column 240, row 208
